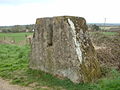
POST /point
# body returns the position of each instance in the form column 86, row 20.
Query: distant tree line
column 17, row 28
column 30, row 28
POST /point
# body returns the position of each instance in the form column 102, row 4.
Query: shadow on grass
column 45, row 79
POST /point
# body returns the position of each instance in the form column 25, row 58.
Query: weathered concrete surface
column 61, row 46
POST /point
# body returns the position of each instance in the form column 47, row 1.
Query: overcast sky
column 17, row 12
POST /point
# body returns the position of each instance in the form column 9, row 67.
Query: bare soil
column 107, row 48
column 5, row 85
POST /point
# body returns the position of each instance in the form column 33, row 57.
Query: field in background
column 109, row 33
column 15, row 38
column 105, row 33
column 109, row 27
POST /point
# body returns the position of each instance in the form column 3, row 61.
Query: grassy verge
column 14, row 66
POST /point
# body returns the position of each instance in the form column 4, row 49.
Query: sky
column 20, row 12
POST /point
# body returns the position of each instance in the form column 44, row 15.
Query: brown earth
column 107, row 49
column 4, row 42
column 5, row 85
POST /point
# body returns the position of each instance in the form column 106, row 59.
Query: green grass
column 105, row 33
column 14, row 36
column 109, row 33
column 14, row 65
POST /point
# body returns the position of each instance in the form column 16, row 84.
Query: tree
column 17, row 28
column 95, row 27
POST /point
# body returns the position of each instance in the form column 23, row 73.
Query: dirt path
column 5, row 85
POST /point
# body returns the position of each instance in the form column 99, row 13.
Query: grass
column 14, row 65
column 105, row 33
column 14, row 36
column 109, row 33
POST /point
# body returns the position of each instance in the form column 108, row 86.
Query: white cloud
column 92, row 10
